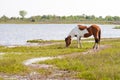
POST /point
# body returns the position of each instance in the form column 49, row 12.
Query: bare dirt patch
column 42, row 44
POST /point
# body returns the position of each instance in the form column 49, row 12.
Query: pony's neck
column 71, row 35
column 73, row 32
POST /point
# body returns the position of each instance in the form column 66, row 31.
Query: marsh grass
column 12, row 61
column 1, row 78
column 43, row 41
column 116, row 27
column 103, row 65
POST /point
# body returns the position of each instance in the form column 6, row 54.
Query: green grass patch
column 43, row 41
column 103, row 65
column 116, row 27
column 1, row 78
column 11, row 61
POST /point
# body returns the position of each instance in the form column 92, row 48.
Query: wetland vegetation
column 101, row 65
column 116, row 27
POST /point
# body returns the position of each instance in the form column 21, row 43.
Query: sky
column 11, row 8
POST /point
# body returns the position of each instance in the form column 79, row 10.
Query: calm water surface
column 18, row 34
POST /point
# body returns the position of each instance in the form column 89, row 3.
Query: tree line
column 60, row 19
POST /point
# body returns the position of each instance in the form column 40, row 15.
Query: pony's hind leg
column 96, row 45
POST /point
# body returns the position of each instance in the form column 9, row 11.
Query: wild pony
column 84, row 31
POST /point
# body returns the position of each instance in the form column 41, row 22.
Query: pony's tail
column 99, row 35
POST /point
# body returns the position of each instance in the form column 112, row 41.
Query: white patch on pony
column 78, row 32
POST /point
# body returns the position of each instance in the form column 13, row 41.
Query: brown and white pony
column 84, row 31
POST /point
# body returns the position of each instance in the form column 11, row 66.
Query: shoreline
column 63, row 23
column 52, row 42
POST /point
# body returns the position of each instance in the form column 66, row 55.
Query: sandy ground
column 56, row 74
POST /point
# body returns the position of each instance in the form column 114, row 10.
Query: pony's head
column 68, row 41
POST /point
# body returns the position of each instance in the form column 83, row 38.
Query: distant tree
column 116, row 18
column 88, row 17
column 44, row 17
column 83, row 15
column 100, row 18
column 12, row 18
column 109, row 18
column 93, row 17
column 4, row 18
column 63, row 17
column 22, row 13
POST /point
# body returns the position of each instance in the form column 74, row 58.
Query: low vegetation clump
column 43, row 41
column 116, row 27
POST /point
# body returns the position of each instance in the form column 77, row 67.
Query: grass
column 116, row 27
column 104, row 65
column 43, row 41
column 1, row 78
column 11, row 62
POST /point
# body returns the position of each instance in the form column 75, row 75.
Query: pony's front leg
column 79, row 42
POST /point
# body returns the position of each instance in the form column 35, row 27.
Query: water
column 18, row 34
